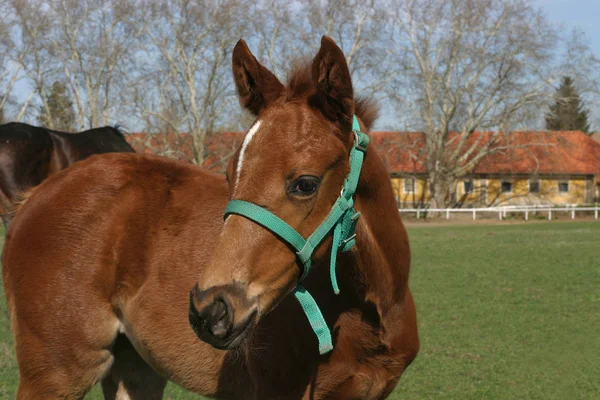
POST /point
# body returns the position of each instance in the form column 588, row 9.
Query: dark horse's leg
column 5, row 220
column 6, row 207
column 130, row 377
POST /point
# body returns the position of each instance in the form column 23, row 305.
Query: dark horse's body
column 29, row 154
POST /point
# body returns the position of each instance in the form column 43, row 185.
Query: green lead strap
column 342, row 219
column 315, row 319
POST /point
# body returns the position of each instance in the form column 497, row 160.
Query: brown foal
column 100, row 259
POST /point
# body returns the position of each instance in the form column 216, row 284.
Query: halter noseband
column 342, row 219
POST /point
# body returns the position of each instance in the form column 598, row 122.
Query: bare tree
column 361, row 28
column 288, row 32
column 9, row 53
column 276, row 25
column 92, row 42
column 187, row 57
column 33, row 56
column 468, row 65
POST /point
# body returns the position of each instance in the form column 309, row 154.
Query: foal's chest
column 361, row 367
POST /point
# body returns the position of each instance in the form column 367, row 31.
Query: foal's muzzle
column 222, row 316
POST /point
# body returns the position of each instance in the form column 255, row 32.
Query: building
column 525, row 168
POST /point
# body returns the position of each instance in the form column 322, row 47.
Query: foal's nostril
column 215, row 319
column 211, row 315
column 219, row 318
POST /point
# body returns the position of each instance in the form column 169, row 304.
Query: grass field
column 505, row 312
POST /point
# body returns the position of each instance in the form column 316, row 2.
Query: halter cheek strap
column 342, row 220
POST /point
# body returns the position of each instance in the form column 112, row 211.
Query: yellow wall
column 548, row 194
column 409, row 198
column 520, row 191
column 473, row 197
column 487, row 191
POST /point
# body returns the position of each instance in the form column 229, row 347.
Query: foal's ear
column 331, row 77
column 257, row 86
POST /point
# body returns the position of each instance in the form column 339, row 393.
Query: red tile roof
column 546, row 153
column 564, row 152
column 402, row 152
column 219, row 146
column 174, row 145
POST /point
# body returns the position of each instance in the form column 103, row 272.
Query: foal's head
column 293, row 162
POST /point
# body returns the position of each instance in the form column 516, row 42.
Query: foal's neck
column 383, row 259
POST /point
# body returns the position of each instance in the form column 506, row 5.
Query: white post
column 526, row 214
column 596, row 213
column 549, row 214
column 573, row 214
column 500, row 214
column 474, row 217
column 447, row 214
column 418, row 213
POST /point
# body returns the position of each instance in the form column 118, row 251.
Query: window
column 563, row 187
column 468, row 186
column 534, row 186
column 506, row 187
column 409, row 185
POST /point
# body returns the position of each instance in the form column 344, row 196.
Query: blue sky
column 582, row 14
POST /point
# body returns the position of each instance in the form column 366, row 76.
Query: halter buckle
column 349, row 239
column 357, row 142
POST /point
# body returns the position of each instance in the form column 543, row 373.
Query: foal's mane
column 300, row 85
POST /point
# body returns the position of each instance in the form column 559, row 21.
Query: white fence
column 502, row 211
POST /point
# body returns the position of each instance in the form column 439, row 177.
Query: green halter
column 342, row 219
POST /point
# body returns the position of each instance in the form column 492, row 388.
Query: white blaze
column 245, row 144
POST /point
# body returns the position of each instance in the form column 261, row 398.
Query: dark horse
column 29, row 154
column 100, row 259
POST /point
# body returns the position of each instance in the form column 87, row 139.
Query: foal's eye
column 304, row 186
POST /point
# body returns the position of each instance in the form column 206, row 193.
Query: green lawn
column 505, row 312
